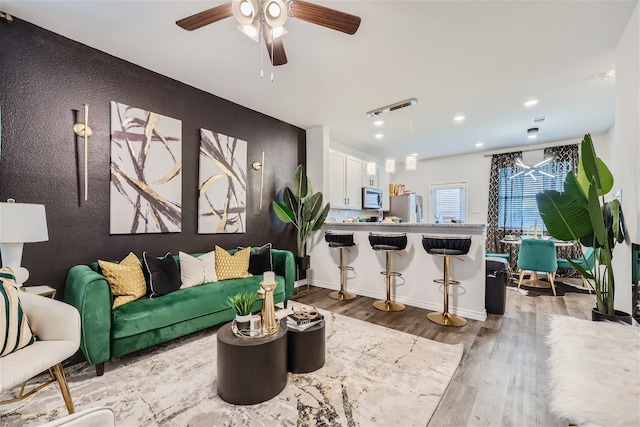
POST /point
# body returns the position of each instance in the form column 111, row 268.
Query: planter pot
column 243, row 322
column 619, row 316
column 302, row 265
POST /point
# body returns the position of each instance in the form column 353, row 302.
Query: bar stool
column 446, row 246
column 341, row 241
column 388, row 243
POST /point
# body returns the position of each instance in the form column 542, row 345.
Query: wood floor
column 502, row 378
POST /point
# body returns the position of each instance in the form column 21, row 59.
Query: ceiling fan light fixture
column 245, row 11
column 274, row 33
column 273, row 13
column 252, row 30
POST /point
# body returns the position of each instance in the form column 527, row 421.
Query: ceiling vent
column 539, row 120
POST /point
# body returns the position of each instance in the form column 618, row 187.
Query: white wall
column 626, row 153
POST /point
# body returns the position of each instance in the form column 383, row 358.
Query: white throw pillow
column 197, row 271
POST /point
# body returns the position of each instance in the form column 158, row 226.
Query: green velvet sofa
column 108, row 333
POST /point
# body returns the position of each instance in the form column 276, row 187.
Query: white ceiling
column 483, row 59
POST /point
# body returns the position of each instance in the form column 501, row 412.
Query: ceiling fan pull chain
column 272, row 42
column 260, row 52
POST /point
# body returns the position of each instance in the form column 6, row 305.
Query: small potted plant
column 242, row 304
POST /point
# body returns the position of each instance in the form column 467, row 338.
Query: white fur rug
column 595, row 371
column 372, row 376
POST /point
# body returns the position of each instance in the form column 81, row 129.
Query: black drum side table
column 306, row 349
column 251, row 370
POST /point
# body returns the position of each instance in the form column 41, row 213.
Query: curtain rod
column 527, row 149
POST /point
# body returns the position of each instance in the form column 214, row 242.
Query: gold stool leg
column 389, row 305
column 342, row 294
column 445, row 318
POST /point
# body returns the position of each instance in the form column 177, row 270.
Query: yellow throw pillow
column 234, row 266
column 126, row 279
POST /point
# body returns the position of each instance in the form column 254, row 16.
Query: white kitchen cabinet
column 345, row 181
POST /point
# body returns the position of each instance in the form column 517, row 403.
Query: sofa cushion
column 15, row 332
column 162, row 273
column 260, row 259
column 234, row 266
column 125, row 278
column 197, row 270
column 148, row 314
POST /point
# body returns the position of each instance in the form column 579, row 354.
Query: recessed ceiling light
column 378, row 122
column 534, row 136
column 531, row 103
column 479, row 144
column 458, row 118
column 378, row 135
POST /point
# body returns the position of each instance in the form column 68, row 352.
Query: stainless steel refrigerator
column 408, row 207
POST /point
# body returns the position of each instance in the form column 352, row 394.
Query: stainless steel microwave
column 371, row 198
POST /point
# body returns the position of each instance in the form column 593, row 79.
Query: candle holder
column 270, row 324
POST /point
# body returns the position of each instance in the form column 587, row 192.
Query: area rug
column 595, row 371
column 372, row 376
column 533, row 291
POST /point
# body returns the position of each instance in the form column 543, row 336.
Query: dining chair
column 538, row 255
column 589, row 256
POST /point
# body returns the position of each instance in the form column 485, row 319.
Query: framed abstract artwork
column 146, row 172
column 222, row 200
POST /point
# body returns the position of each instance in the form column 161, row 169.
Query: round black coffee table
column 251, row 370
column 305, row 349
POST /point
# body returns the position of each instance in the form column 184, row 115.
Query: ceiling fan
column 267, row 17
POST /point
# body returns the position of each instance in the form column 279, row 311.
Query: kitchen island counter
column 415, row 287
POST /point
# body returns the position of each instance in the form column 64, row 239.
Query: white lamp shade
column 371, row 168
column 390, row 165
column 411, row 162
column 275, row 13
column 245, row 11
column 22, row 223
column 252, row 30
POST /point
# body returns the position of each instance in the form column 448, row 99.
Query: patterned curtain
column 566, row 160
column 502, row 165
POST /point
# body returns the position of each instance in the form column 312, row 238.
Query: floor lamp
column 20, row 223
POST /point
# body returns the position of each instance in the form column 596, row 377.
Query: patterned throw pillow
column 162, row 273
column 126, row 279
column 234, row 266
column 197, row 270
column 15, row 332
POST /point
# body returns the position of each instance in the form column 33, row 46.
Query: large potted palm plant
column 580, row 213
column 304, row 209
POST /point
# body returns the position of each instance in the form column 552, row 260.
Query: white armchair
column 57, row 326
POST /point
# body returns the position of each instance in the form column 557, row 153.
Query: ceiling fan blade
column 275, row 49
column 206, row 17
column 325, row 16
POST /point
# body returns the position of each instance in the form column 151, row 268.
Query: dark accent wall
column 44, row 80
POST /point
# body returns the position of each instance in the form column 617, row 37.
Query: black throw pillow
column 260, row 259
column 162, row 274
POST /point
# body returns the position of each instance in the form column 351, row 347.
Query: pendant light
column 411, row 161
column 390, row 162
column 390, row 165
column 530, row 170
